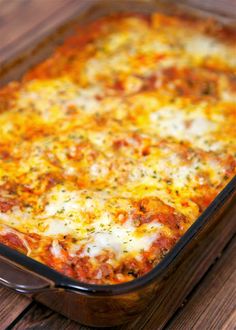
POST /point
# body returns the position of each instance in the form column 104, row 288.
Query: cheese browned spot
column 112, row 147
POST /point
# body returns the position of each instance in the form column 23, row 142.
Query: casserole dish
column 121, row 298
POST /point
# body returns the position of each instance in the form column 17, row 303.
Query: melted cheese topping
column 114, row 146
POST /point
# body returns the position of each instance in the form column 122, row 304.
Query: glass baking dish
column 172, row 279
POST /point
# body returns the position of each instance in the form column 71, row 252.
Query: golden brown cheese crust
column 112, row 147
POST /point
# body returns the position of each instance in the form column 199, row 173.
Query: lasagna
column 112, row 147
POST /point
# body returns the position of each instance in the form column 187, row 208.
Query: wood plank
column 223, row 7
column 40, row 317
column 23, row 21
column 213, row 303
column 11, row 306
column 15, row 14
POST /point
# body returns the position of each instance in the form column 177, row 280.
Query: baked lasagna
column 112, row 147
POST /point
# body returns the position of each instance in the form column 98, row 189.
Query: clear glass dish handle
column 21, row 280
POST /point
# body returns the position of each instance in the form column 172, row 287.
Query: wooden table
column 210, row 305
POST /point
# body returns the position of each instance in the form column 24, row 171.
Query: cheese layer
column 112, row 147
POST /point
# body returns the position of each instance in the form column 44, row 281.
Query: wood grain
column 211, row 305
column 22, row 21
column 11, row 306
column 40, row 317
column 223, row 7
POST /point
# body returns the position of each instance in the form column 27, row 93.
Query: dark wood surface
column 210, row 305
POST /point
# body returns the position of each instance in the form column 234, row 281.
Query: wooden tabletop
column 210, row 305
